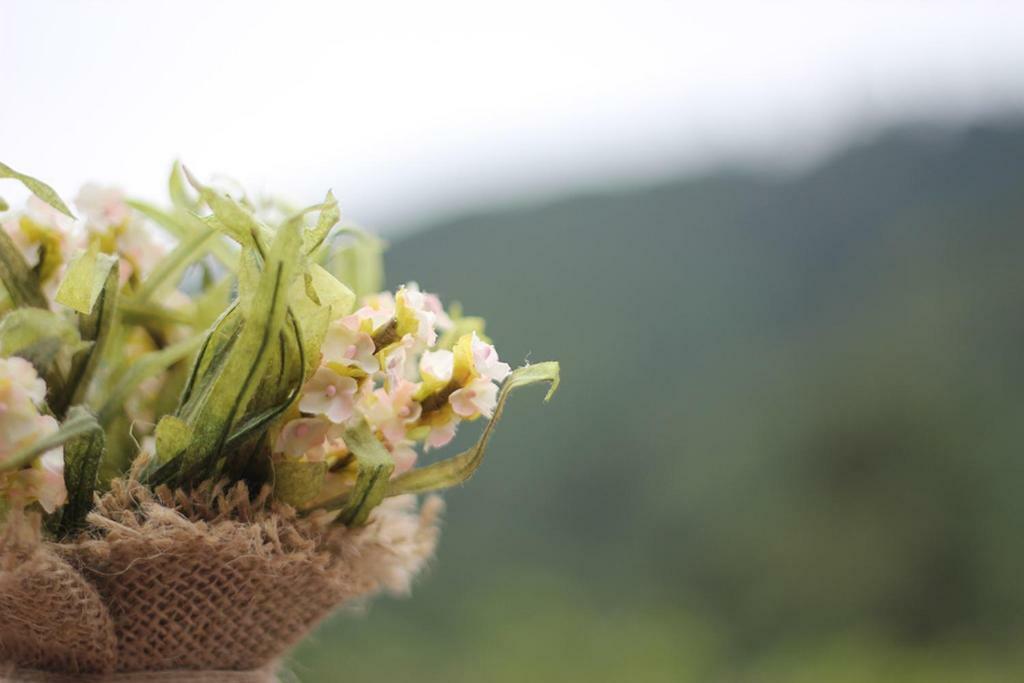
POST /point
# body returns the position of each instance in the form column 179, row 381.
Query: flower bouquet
column 210, row 422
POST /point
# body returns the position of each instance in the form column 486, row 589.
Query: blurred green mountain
column 790, row 414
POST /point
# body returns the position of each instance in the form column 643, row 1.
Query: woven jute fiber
column 204, row 586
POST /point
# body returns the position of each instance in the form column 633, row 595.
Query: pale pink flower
column 441, row 319
column 21, row 425
column 437, row 366
column 404, row 456
column 303, row 438
column 103, row 207
column 330, row 394
column 486, row 362
column 139, row 252
column 391, row 412
column 442, row 434
column 479, row 397
column 399, row 361
column 414, row 316
column 346, row 345
column 46, row 226
column 48, row 480
column 43, row 481
column 378, row 309
column 21, row 394
column 22, row 375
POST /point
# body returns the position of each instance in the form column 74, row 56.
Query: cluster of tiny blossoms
column 383, row 364
column 47, row 238
column 22, row 394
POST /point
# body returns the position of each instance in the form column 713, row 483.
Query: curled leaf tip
column 458, row 469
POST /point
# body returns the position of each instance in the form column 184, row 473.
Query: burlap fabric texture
column 208, row 586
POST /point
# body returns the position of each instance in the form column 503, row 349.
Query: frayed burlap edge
column 208, row 580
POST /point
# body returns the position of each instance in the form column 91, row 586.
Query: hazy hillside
column 789, row 407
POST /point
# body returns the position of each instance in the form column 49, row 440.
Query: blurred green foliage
column 820, row 378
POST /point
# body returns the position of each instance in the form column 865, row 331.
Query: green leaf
column 218, row 397
column 235, row 220
column 38, row 188
column 24, row 327
column 459, row 468
column 4, row 205
column 153, row 314
column 86, row 276
column 374, row 467
column 173, row 264
column 297, row 483
column 82, row 457
column 359, row 263
column 20, row 280
column 95, row 324
column 179, row 193
column 47, row 340
column 329, row 216
column 142, row 368
column 185, row 226
column 78, row 423
column 172, row 437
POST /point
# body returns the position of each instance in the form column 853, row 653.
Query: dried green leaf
column 173, row 265
column 78, row 423
column 329, row 216
column 82, row 457
column 359, row 263
column 277, row 390
column 218, row 399
column 48, row 341
column 459, row 468
column 213, row 301
column 180, row 196
column 24, row 327
column 332, row 292
column 142, row 368
column 86, row 275
column 374, row 467
column 153, row 314
column 297, row 483
column 95, row 324
column 235, row 220
column 185, row 226
column 38, row 188
column 173, row 436
column 19, row 279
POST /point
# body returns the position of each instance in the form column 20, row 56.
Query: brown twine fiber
column 204, row 586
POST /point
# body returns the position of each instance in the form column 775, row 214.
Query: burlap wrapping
column 208, row 586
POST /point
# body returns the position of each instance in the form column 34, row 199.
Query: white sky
column 409, row 109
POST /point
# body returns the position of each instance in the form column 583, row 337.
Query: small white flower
column 404, row 456
column 103, row 207
column 330, row 394
column 391, row 411
column 414, row 317
column 486, row 361
column 442, row 434
column 479, row 397
column 303, row 437
column 23, row 375
column 437, row 366
column 346, row 345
